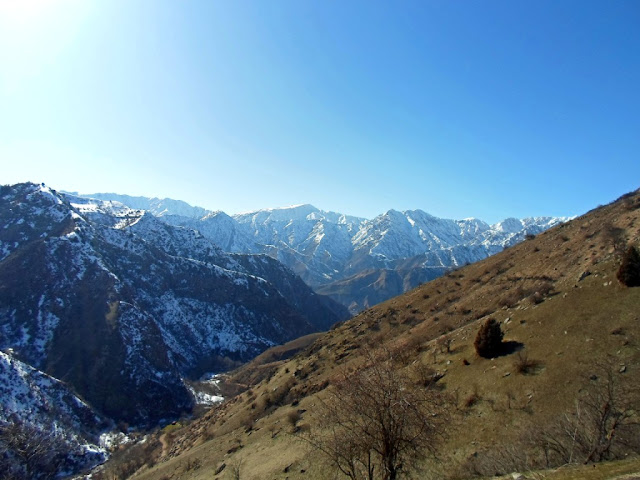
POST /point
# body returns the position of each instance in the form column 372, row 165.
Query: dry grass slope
column 560, row 307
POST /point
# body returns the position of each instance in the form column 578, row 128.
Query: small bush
column 444, row 344
column 473, row 398
column 293, row 417
column 512, row 297
column 192, row 464
column 536, row 298
column 488, row 342
column 629, row 271
column 524, row 365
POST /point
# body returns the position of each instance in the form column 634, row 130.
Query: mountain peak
column 158, row 206
column 301, row 207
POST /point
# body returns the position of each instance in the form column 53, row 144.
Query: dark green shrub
column 629, row 271
column 488, row 341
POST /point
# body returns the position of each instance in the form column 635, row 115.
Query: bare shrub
column 512, row 297
column 377, row 422
column 249, row 422
column 444, row 343
column 293, row 417
column 426, row 376
column 192, row 464
column 472, row 398
column 613, row 235
column 126, row 461
column 483, row 313
column 235, row 469
column 603, row 426
column 536, row 298
column 525, row 365
column 631, row 201
column 28, row 452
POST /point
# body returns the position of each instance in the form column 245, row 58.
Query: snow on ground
column 203, row 398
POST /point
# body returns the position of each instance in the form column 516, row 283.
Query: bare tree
column 377, row 422
column 29, row 452
column 235, row 469
column 603, row 425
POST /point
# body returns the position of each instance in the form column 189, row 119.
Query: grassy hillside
column 563, row 313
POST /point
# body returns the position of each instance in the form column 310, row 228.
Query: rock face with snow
column 122, row 306
column 157, row 206
column 356, row 261
column 37, row 411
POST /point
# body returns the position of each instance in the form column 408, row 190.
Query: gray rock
column 584, row 275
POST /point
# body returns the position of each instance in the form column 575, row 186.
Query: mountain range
column 356, row 261
column 111, row 306
column 558, row 399
column 117, row 310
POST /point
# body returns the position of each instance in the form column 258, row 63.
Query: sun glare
column 23, row 10
column 32, row 34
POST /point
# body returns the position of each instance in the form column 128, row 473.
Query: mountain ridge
column 326, row 249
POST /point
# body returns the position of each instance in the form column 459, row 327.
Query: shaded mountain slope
column 557, row 299
column 37, row 408
column 121, row 307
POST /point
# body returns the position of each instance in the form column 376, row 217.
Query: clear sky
column 484, row 109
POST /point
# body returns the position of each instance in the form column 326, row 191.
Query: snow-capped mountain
column 157, row 206
column 121, row 306
column 345, row 256
column 220, row 228
column 313, row 243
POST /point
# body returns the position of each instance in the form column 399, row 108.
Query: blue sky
column 484, row 109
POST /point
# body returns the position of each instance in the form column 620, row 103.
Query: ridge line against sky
column 97, row 196
column 488, row 110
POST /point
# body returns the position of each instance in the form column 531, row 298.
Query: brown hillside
column 560, row 306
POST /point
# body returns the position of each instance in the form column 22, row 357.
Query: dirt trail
column 165, row 445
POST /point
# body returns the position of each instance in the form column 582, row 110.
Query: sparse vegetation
column 603, row 425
